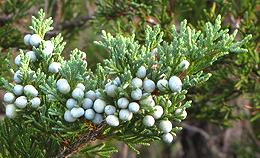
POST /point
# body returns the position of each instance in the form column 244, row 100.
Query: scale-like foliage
column 68, row 129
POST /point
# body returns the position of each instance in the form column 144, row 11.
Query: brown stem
column 124, row 152
column 196, row 129
column 92, row 135
column 5, row 18
column 46, row 5
column 77, row 22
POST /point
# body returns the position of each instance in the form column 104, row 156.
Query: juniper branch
column 60, row 85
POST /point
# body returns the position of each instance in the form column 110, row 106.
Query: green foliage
column 75, row 69
column 132, row 16
column 237, row 74
column 18, row 139
column 200, row 48
column 5, row 64
column 7, row 34
column 40, row 25
column 103, row 150
column 211, row 40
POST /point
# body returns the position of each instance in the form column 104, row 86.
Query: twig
column 66, row 151
column 46, row 5
column 196, row 130
column 5, row 18
column 77, row 22
column 81, row 20
column 211, row 143
column 124, row 151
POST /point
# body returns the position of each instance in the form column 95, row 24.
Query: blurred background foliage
column 224, row 120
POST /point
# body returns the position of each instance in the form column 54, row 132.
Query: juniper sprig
column 137, row 96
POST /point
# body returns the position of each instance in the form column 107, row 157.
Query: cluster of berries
column 20, row 98
column 34, row 41
column 88, row 104
column 92, row 107
column 29, row 91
